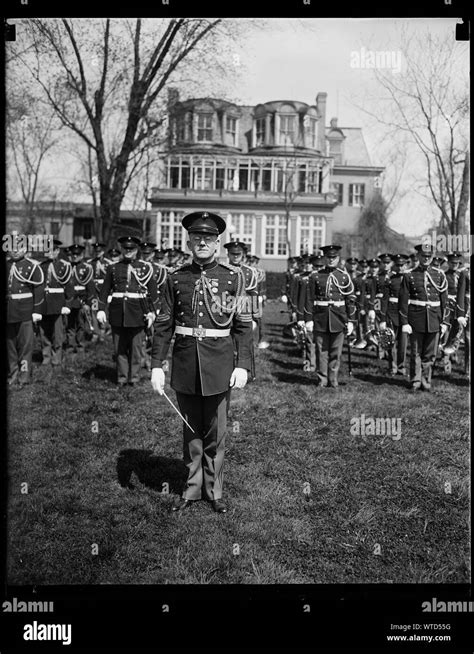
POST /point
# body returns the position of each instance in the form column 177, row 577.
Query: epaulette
column 230, row 267
column 186, row 266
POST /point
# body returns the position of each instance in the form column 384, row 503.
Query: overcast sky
column 295, row 59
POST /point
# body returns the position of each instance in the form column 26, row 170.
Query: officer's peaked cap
column 236, row 244
column 204, row 223
column 129, row 242
column 330, row 250
column 427, row 248
column 75, row 249
column 146, row 245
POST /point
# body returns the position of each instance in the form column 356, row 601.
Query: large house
column 283, row 180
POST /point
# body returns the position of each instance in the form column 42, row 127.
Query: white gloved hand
column 462, row 321
column 238, row 378
column 301, row 323
column 362, row 312
column 350, row 328
column 65, row 311
column 36, row 317
column 371, row 314
column 284, row 299
column 444, row 329
column 407, row 329
column 150, row 319
column 309, row 325
column 158, row 380
column 383, row 326
column 254, row 325
column 101, row 317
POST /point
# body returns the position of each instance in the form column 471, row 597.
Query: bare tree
column 427, row 104
column 105, row 81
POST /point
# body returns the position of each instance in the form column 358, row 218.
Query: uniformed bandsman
column 133, row 305
column 309, row 349
column 99, row 263
column 330, row 310
column 423, row 315
column 463, row 312
column 79, row 320
column 25, row 292
column 202, row 305
column 359, row 281
column 253, row 262
column 160, row 273
column 453, row 275
column 58, row 296
column 390, row 317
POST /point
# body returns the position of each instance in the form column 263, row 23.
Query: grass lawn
column 309, row 501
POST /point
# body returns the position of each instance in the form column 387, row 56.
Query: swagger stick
column 179, row 414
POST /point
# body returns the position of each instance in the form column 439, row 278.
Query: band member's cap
column 236, row 246
column 399, row 258
column 454, row 256
column 146, row 246
column 129, row 242
column 75, row 249
column 317, row 260
column 352, row 260
column 385, row 257
column 330, row 250
column 204, row 223
column 98, row 246
column 373, row 262
column 427, row 248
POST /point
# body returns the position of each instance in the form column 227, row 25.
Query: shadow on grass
column 382, row 379
column 306, row 379
column 100, row 372
column 152, row 470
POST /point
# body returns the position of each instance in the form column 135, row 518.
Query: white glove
column 150, row 319
column 101, row 317
column 158, row 380
column 462, row 321
column 254, row 325
column 350, row 328
column 371, row 314
column 309, row 325
column 284, row 299
column 362, row 312
column 444, row 329
column 407, row 329
column 301, row 323
column 65, row 311
column 36, row 317
column 383, row 326
column 238, row 378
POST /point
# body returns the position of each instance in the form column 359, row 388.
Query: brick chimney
column 321, row 106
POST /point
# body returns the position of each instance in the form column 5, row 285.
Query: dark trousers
column 328, row 356
column 422, row 356
column 398, row 352
column 309, row 352
column 74, row 331
column 203, row 451
column 20, row 344
column 128, row 350
column 52, row 339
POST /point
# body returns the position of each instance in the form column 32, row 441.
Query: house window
column 170, row 230
column 231, row 129
column 275, row 236
column 260, row 131
column 254, row 178
column 311, row 233
column 243, row 178
column 54, row 228
column 244, row 228
column 302, row 179
column 267, row 179
column 287, row 130
column 335, row 150
column 315, row 181
column 87, row 230
column 312, row 132
column 204, row 127
column 203, row 178
column 338, row 190
column 356, row 195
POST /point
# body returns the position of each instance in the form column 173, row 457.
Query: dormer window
column 287, row 129
column 312, row 132
column 260, row 131
column 231, row 129
column 204, row 127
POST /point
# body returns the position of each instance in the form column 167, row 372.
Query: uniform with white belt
column 207, row 308
column 390, row 316
column 423, row 308
column 79, row 320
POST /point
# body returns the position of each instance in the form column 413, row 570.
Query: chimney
column 173, row 96
column 321, row 106
column 333, row 123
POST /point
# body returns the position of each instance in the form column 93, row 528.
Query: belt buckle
column 199, row 332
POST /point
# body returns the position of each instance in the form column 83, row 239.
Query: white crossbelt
column 99, row 281
column 127, row 294
column 201, row 332
column 54, row 290
column 79, row 288
column 379, row 295
column 327, row 303
column 393, row 299
column 452, row 297
column 423, row 303
column 20, row 296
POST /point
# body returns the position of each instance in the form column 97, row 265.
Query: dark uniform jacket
column 419, row 286
column 58, row 286
column 160, row 274
column 452, row 277
column 329, row 286
column 293, row 287
column 360, row 291
column 25, row 289
column 99, row 266
column 251, row 289
column 389, row 308
column 300, row 293
column 83, row 284
column 377, row 286
column 130, row 284
column 212, row 297
column 463, row 295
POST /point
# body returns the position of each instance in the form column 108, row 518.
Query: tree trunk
column 464, row 198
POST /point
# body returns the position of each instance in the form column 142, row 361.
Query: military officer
column 131, row 285
column 99, row 263
column 463, row 311
column 236, row 253
column 390, row 316
column 160, row 273
column 202, row 305
column 309, row 350
column 422, row 304
column 25, row 292
column 330, row 310
column 253, row 262
column 58, row 296
column 79, row 320
column 113, row 256
column 359, row 281
column 453, row 275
